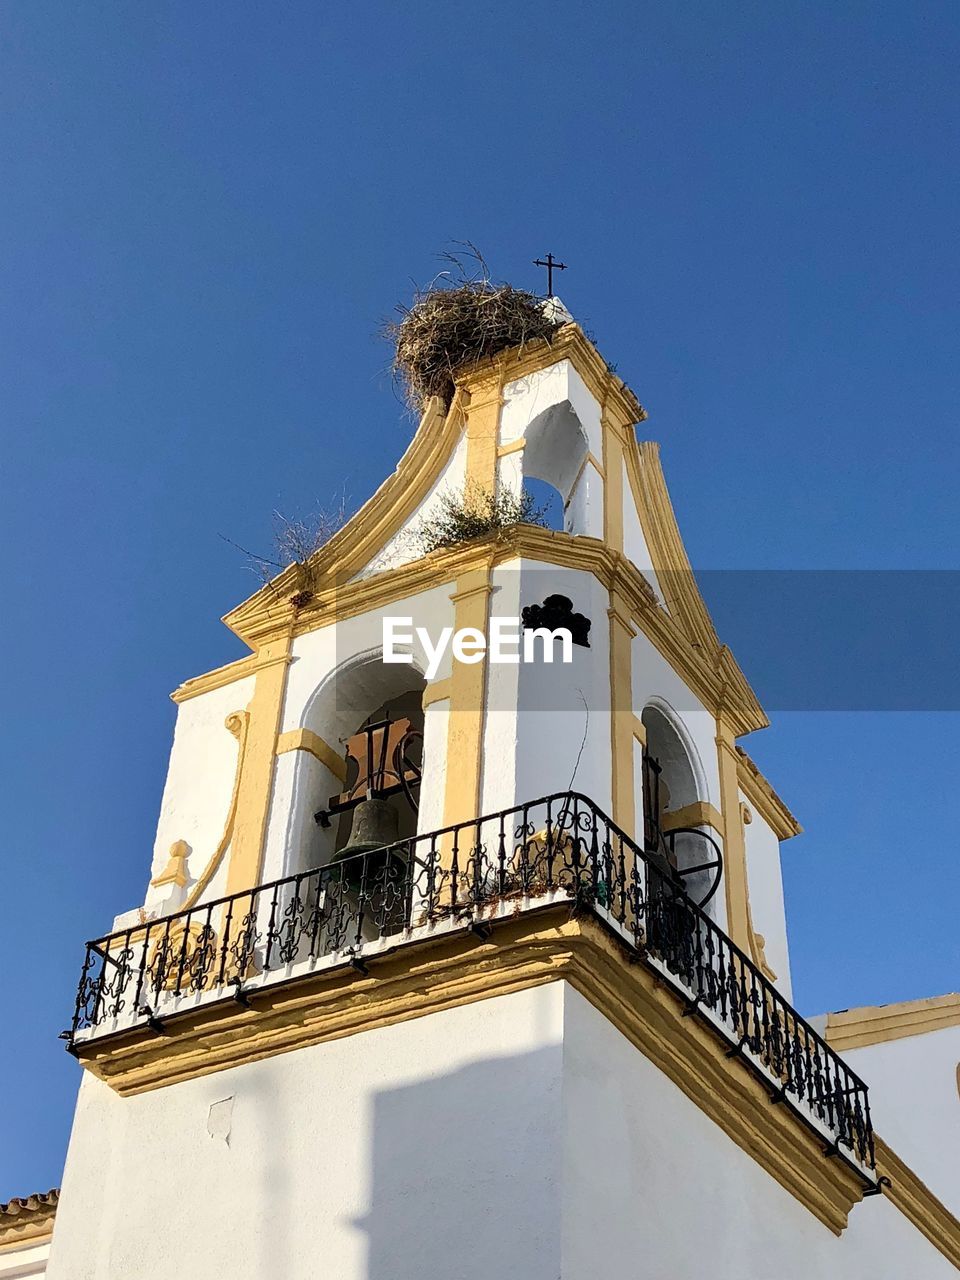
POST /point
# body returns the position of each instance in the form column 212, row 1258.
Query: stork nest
column 449, row 327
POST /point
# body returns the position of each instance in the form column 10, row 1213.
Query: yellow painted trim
column 475, row 411
column 588, row 459
column 662, row 533
column 175, row 872
column 701, row 813
column 705, row 678
column 613, row 481
column 216, row 679
column 917, row 1202
column 270, row 610
column 735, row 871
column 236, row 723
column 438, row 691
column 255, row 782
column 466, row 689
column 877, row 1024
column 307, row 740
column 515, row 446
column 482, row 430
column 640, row 731
column 622, row 718
column 764, row 799
column 734, row 844
column 448, row 972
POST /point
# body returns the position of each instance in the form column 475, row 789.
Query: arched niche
column 361, row 691
column 673, row 778
column 669, row 745
column 555, row 448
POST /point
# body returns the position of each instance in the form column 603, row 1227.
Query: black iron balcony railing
column 561, row 848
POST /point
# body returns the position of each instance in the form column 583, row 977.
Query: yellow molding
column 701, row 813
column 307, row 740
column 685, row 635
column 447, row 972
column 917, row 1202
column 466, row 689
column 438, row 691
column 236, row 723
column 670, row 561
column 613, row 481
column 707, row 678
column 255, row 779
column 735, row 868
column 175, row 872
column 597, row 466
column 568, row 343
column 640, row 731
column 216, row 679
column 877, row 1024
column 349, row 550
column 622, row 718
column 515, row 446
column 474, row 410
column 764, row 799
column 734, row 844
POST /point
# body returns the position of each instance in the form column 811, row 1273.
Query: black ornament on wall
column 557, row 612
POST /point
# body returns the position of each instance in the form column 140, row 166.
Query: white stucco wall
column 559, row 418
column 404, row 546
column 520, row 1136
column 199, row 785
column 426, row 1149
column 558, row 703
column 653, row 1188
column 915, row 1104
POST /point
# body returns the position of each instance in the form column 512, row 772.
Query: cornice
column 568, row 343
column 458, row 969
column 917, row 1202
column 876, row 1024
column 764, row 799
column 709, row 675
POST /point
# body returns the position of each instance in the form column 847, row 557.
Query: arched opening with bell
column 672, row 786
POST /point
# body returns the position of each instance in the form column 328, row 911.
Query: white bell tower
column 450, row 966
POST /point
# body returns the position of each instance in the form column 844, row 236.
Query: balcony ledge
column 451, row 966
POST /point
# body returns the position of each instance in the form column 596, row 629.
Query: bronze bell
column 376, row 823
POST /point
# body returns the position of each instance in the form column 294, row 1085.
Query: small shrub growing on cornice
column 474, row 512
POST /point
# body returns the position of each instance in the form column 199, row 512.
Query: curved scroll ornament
column 237, row 723
column 183, row 959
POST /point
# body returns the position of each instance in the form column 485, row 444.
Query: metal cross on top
column 552, row 265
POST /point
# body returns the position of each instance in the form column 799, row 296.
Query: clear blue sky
column 205, row 212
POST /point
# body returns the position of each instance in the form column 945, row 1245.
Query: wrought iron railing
column 561, row 848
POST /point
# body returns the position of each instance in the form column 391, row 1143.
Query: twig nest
column 448, row 328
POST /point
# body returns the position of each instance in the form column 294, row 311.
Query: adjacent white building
column 547, row 1032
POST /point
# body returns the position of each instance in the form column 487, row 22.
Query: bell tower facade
column 428, row 932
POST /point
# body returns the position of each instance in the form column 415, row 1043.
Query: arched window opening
column 670, row 785
column 547, row 502
column 365, row 692
column 554, row 454
column 386, row 764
